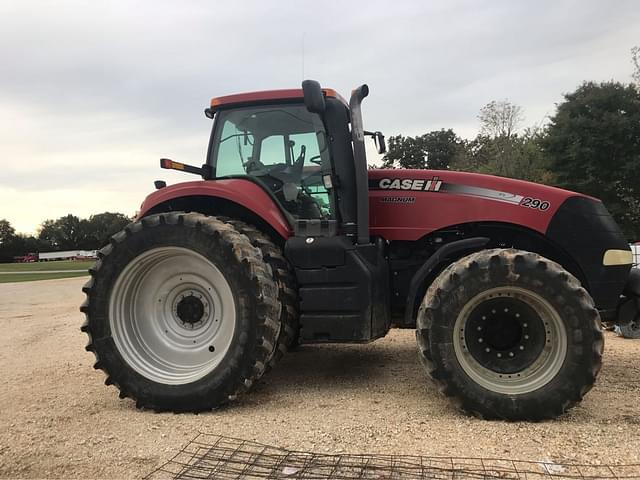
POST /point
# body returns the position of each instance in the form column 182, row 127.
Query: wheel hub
column 510, row 340
column 505, row 335
column 191, row 310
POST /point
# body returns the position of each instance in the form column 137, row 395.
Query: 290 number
column 535, row 203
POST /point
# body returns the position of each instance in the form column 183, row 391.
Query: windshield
column 284, row 146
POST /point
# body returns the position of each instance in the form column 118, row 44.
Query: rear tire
column 181, row 312
column 510, row 335
column 287, row 289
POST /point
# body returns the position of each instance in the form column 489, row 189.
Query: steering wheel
column 289, row 173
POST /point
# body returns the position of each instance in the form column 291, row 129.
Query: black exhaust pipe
column 360, row 161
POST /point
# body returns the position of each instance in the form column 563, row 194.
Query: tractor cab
column 284, row 148
column 297, row 145
column 305, row 148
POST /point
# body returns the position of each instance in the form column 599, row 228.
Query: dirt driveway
column 57, row 419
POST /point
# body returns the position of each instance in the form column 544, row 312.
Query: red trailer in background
column 28, row 258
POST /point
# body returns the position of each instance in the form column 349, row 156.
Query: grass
column 30, row 277
column 28, row 272
column 46, row 266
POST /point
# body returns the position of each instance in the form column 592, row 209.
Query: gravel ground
column 57, row 419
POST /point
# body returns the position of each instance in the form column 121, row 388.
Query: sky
column 93, row 93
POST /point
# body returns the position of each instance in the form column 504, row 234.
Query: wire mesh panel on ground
column 222, row 458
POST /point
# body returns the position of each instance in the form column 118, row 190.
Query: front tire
column 510, row 335
column 182, row 312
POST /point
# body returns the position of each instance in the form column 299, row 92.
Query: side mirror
column 313, row 96
column 381, row 145
column 378, row 139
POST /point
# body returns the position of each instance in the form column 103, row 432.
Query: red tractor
column 290, row 239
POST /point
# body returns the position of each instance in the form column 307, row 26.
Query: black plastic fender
column 443, row 256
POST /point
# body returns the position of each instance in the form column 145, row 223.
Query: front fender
column 443, row 256
column 240, row 191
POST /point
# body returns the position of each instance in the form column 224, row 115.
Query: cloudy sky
column 93, row 93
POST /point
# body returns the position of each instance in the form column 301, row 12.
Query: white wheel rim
column 172, row 315
column 536, row 375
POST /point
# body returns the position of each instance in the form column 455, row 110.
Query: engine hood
column 408, row 204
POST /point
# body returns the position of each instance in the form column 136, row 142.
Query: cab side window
column 283, row 146
column 272, row 150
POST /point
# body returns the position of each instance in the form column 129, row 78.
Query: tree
column 26, row 244
column 497, row 149
column 7, row 241
column 594, row 145
column 434, row 150
column 405, row 152
column 520, row 156
column 65, row 233
column 7, row 232
column 441, row 147
column 500, row 119
column 101, row 226
column 72, row 233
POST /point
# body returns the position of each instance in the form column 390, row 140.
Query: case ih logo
column 429, row 185
column 434, row 184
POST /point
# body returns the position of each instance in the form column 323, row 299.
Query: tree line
column 65, row 233
column 590, row 145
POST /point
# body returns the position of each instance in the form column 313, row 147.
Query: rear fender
column 244, row 193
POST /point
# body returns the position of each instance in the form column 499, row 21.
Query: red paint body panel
column 268, row 95
column 456, row 202
column 242, row 192
column 434, row 210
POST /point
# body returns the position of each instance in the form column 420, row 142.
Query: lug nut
column 499, row 355
column 511, row 354
column 479, row 328
column 480, row 340
column 487, row 350
column 526, row 337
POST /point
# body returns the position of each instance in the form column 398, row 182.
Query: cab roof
column 267, row 96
